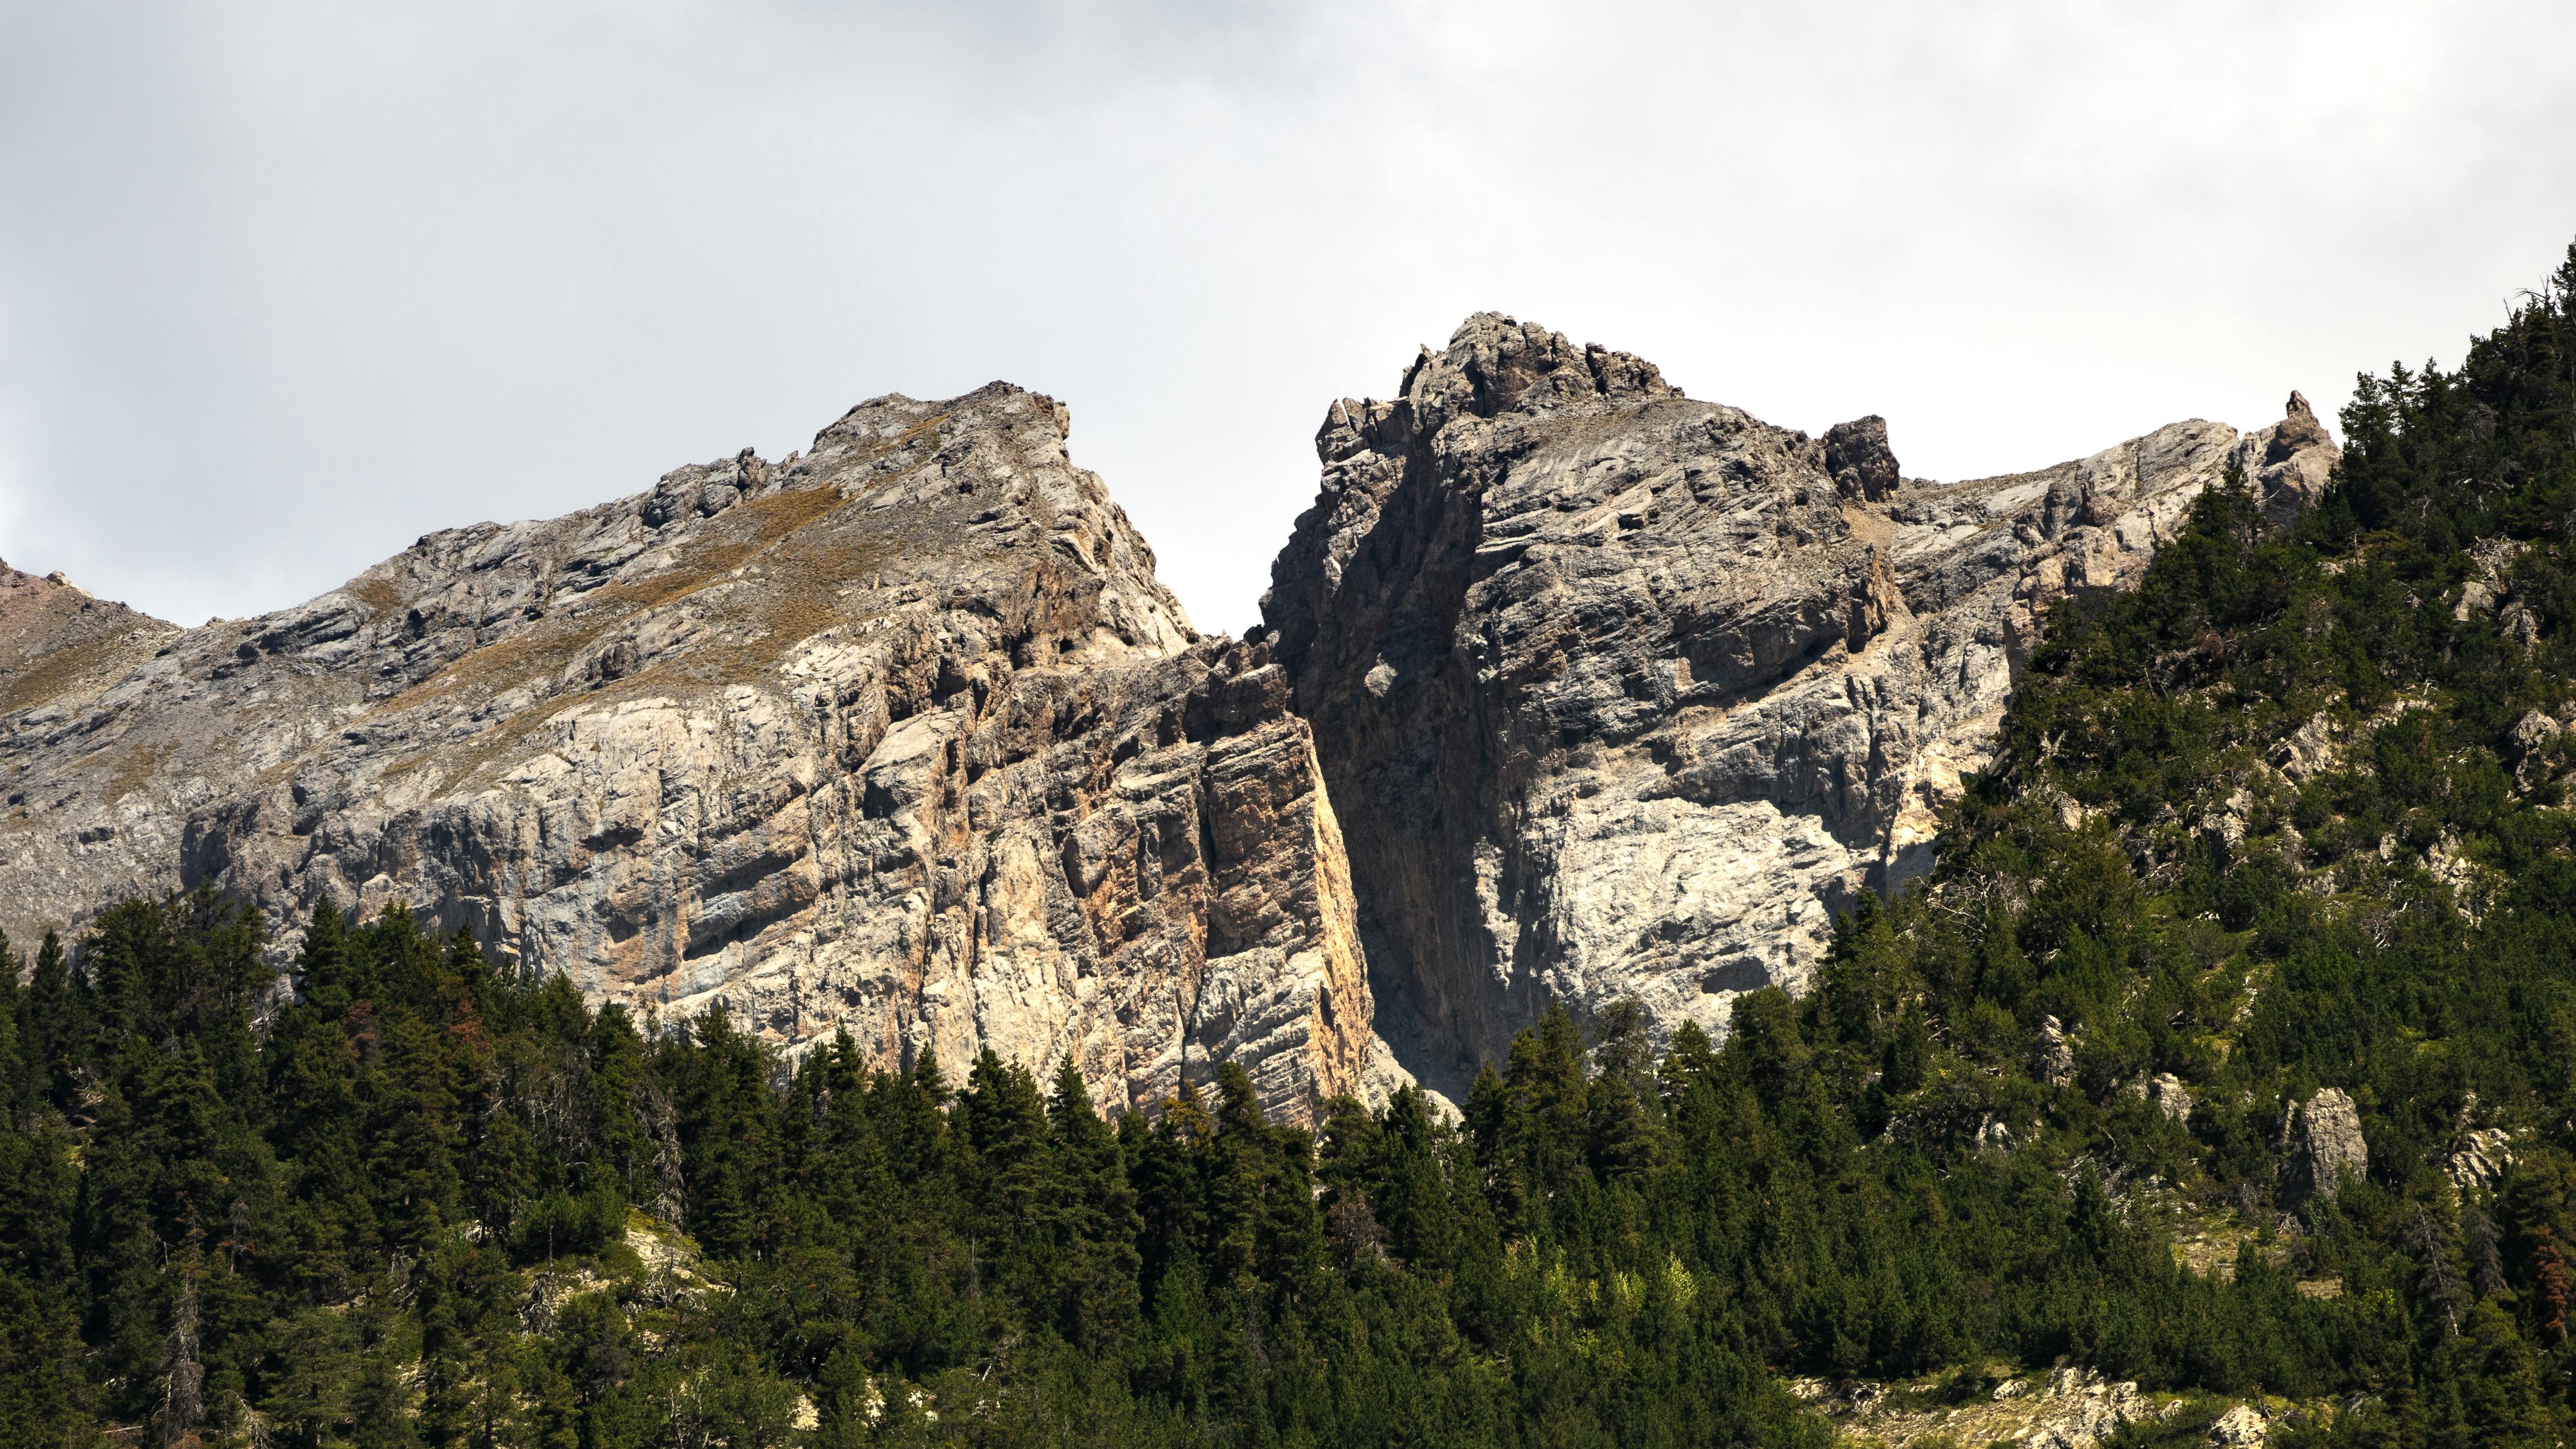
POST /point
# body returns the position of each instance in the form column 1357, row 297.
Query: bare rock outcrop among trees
column 2325, row 1143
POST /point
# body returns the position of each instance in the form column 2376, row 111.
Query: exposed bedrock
column 1570, row 687
column 1624, row 694
column 899, row 736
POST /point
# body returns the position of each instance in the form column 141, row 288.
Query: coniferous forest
column 2295, row 815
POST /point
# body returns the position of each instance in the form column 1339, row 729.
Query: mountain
column 1570, row 688
column 1626, row 695
column 2210, row 1084
column 898, row 736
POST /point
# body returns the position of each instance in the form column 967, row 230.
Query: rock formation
column 59, row 646
column 2324, row 1143
column 1614, row 693
column 1624, row 694
column 2172, row 1098
column 2481, row 1160
column 2068, row 1407
column 2241, row 1427
column 2053, row 1061
column 900, row 736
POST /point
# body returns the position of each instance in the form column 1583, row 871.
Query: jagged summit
column 1622, row 693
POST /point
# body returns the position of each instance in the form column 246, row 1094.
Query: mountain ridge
column 830, row 741
column 901, row 735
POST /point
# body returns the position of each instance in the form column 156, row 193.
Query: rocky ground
column 2066, row 1407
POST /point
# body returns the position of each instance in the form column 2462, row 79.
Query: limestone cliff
column 1614, row 693
column 899, row 736
column 1623, row 694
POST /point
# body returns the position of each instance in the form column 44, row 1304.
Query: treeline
column 398, row 1211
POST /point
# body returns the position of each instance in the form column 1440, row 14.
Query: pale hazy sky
column 285, row 285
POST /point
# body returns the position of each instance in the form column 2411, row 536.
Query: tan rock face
column 899, row 736
column 1624, row 694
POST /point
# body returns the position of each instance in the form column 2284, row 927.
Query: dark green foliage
column 412, row 1204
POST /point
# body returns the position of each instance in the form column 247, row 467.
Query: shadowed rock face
column 899, row 736
column 1621, row 693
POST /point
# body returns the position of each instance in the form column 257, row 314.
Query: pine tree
column 55, row 1023
column 1412, row 1188
column 16, row 1075
column 1092, row 1219
column 1622, row 1107
column 1006, row 1137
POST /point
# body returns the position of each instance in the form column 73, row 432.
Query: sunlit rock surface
column 1625, row 694
column 899, row 736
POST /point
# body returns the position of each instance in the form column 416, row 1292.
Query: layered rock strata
column 1618, row 694
column 1625, row 694
column 59, row 646
column 899, row 736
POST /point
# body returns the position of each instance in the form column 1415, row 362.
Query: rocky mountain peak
column 899, row 736
column 1496, row 364
column 1624, row 694
column 1570, row 687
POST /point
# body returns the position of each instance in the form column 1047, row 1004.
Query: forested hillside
column 2277, row 848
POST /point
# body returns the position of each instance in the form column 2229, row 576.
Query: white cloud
column 285, row 285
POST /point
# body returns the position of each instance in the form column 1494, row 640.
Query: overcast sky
column 283, row 286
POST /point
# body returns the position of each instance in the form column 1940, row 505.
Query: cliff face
column 1623, row 694
column 1604, row 691
column 899, row 736
column 59, row 646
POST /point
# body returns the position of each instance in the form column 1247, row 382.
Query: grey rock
column 2241, row 1427
column 2325, row 1142
column 78, row 829
column 901, row 737
column 2531, row 734
column 2491, row 587
column 2289, row 462
column 1625, row 694
column 2172, row 1098
column 2055, row 1056
column 2311, row 750
column 2224, row 826
column 1857, row 455
column 2481, row 1159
